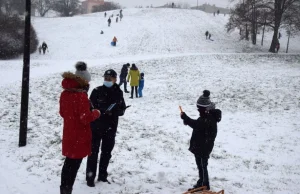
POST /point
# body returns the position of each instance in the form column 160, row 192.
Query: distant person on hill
column 214, row 13
column 44, row 47
column 117, row 19
column 134, row 77
column 123, row 76
column 105, row 14
column 121, row 16
column 173, row 5
column 205, row 131
column 101, row 32
column 114, row 41
column 209, row 36
column 121, row 11
column 141, row 85
column 40, row 49
column 279, row 35
column 112, row 15
column 218, row 12
column 206, row 34
column 277, row 46
column 109, row 22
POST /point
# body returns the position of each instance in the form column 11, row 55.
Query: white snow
column 257, row 149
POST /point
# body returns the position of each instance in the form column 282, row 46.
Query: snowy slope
column 257, row 149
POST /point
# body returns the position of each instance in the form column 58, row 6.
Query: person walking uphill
column 134, row 77
column 77, row 135
column 203, row 136
column 105, row 128
column 44, row 47
column 123, row 76
column 109, row 22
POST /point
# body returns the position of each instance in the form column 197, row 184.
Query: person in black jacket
column 109, row 22
column 44, row 47
column 104, row 129
column 123, row 76
column 204, row 134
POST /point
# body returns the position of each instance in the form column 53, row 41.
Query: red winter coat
column 75, row 110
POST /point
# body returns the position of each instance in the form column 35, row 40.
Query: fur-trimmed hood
column 73, row 81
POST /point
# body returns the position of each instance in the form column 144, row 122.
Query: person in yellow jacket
column 134, row 77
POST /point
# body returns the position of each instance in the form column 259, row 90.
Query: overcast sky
column 133, row 3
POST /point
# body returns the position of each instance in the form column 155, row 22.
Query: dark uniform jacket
column 101, row 98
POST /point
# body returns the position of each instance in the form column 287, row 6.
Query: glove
column 109, row 113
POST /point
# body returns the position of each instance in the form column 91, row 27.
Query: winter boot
column 103, row 180
column 65, row 190
column 126, row 91
column 90, row 183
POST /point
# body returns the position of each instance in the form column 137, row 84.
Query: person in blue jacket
column 141, row 85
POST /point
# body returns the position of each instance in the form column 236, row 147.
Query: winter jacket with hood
column 204, row 132
column 77, row 116
column 101, row 98
column 124, row 72
column 134, row 76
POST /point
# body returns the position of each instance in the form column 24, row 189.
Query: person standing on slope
column 108, row 98
column 105, row 14
column 109, row 22
column 44, row 47
column 141, row 85
column 204, row 134
column 77, row 135
column 134, row 77
column 123, row 76
column 206, row 34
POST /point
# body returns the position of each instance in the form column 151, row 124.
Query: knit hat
column 204, row 100
column 110, row 73
column 81, row 71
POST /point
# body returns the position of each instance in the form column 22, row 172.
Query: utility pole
column 197, row 5
column 25, row 79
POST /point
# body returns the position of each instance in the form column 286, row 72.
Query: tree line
column 251, row 16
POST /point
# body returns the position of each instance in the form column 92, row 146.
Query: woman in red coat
column 77, row 136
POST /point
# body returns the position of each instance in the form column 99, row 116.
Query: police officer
column 104, row 129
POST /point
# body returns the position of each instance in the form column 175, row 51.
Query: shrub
column 12, row 37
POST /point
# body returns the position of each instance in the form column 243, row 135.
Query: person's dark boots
column 126, row 91
column 90, row 183
column 65, row 190
column 103, row 180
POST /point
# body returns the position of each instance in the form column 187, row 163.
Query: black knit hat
column 110, row 73
column 128, row 65
column 204, row 100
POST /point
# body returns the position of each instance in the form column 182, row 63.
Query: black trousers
column 108, row 143
column 202, row 163
column 123, row 81
column 136, row 91
column 69, row 172
column 44, row 51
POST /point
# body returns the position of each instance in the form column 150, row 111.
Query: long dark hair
column 133, row 67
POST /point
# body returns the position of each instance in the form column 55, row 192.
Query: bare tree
column 66, row 7
column 43, row 6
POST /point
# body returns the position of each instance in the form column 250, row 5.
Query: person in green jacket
column 134, row 77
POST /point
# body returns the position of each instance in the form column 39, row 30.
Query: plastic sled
column 112, row 44
column 202, row 190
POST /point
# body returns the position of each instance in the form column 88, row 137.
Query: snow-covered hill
column 257, row 149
